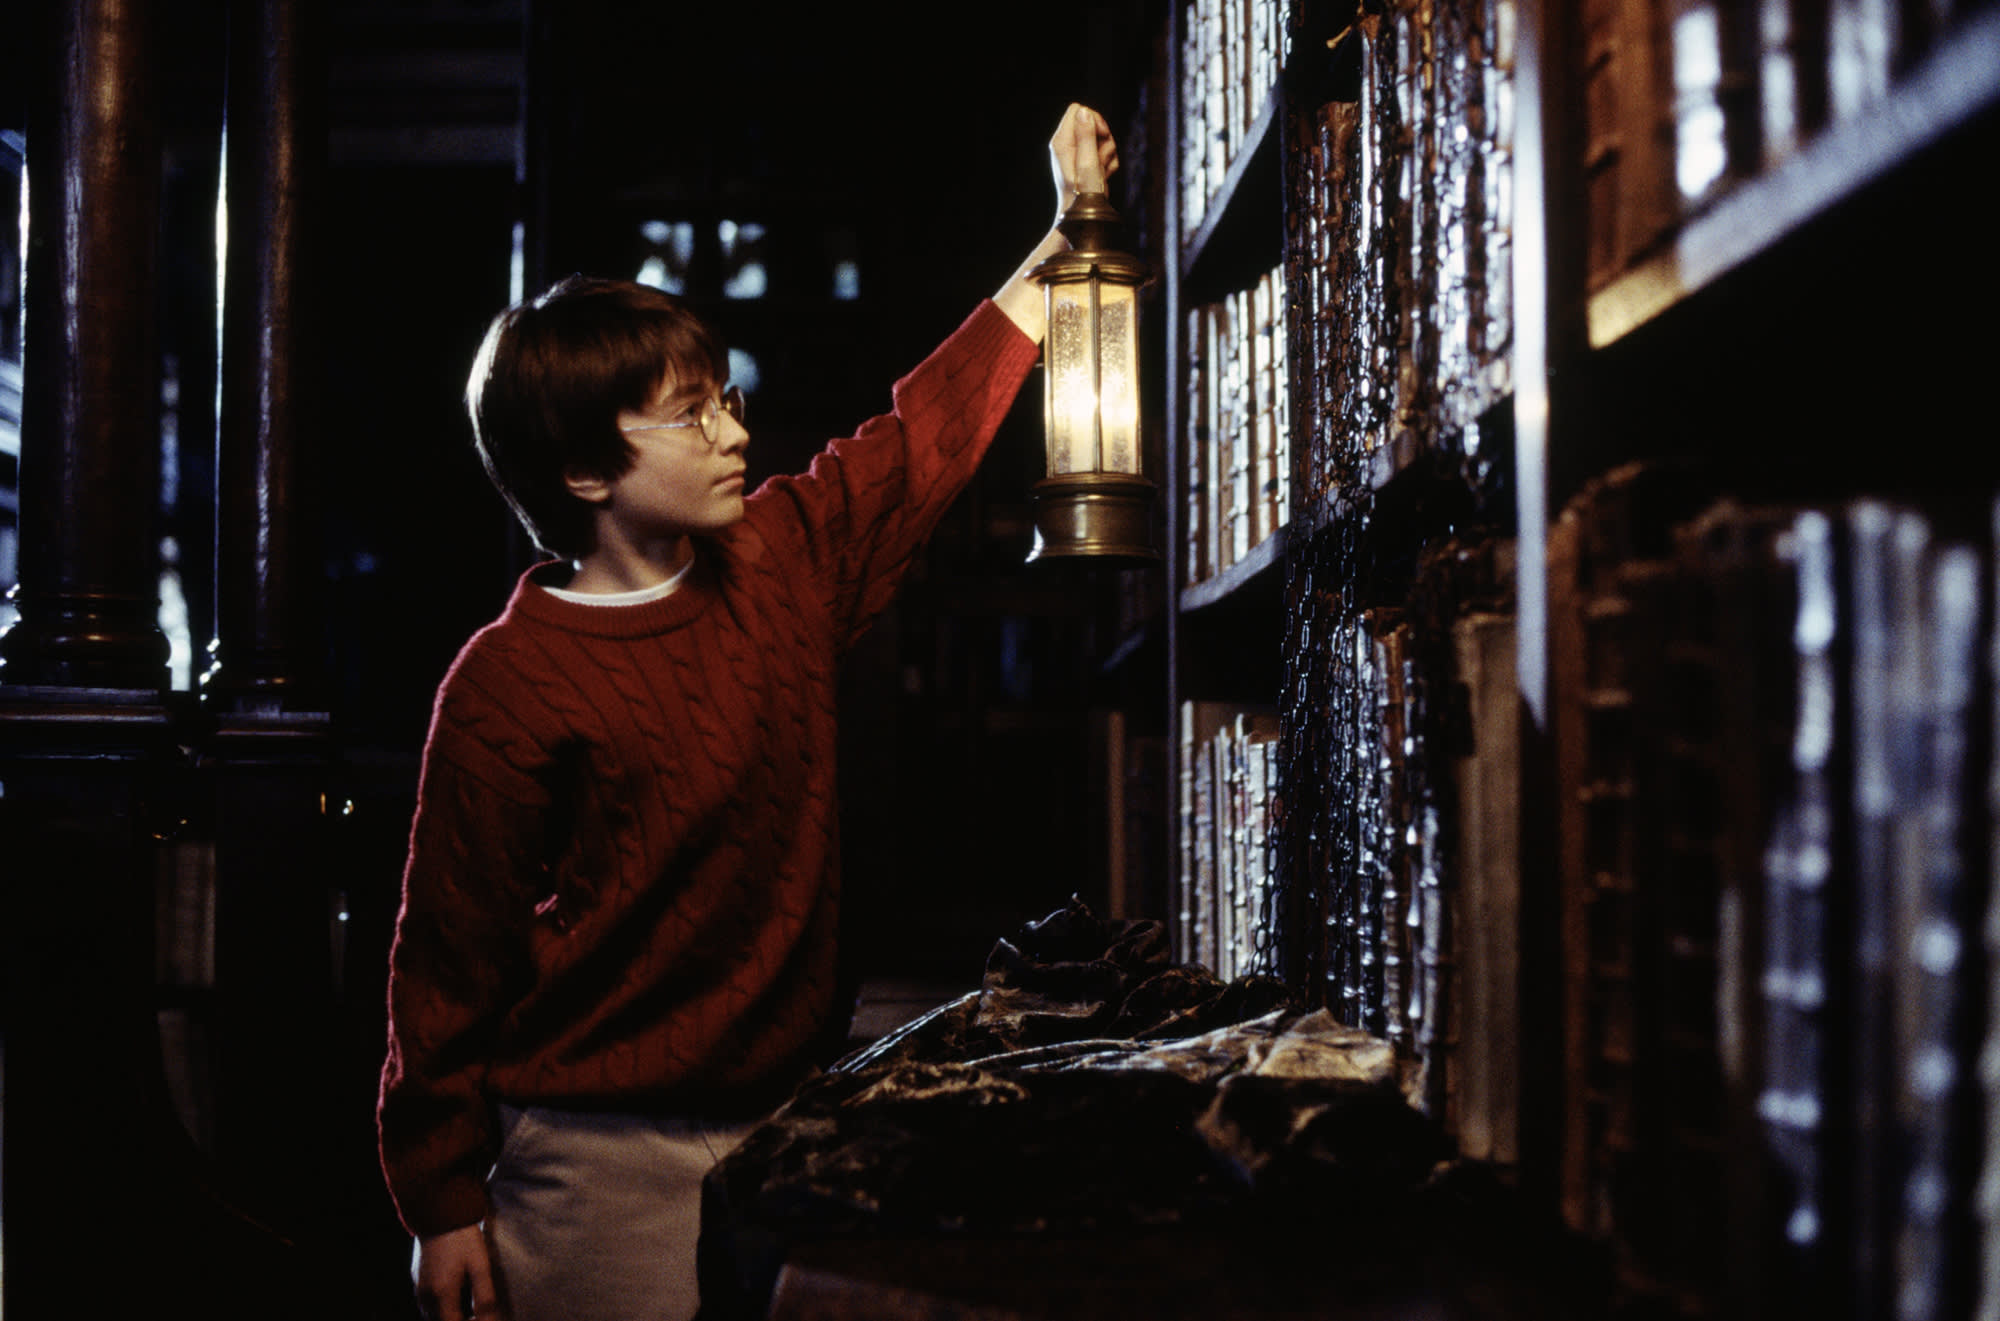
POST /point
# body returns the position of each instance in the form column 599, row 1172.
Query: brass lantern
column 1096, row 500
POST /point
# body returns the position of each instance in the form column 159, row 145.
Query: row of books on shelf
column 1231, row 54
column 1679, row 111
column 1773, row 861
column 1402, row 231
column 1404, row 811
column 1227, row 788
column 1238, row 426
column 1767, row 926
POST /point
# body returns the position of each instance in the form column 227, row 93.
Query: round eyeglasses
column 702, row 417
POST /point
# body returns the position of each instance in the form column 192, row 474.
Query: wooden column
column 269, row 652
column 90, row 445
column 269, row 760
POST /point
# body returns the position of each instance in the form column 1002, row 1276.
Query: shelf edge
column 1262, row 556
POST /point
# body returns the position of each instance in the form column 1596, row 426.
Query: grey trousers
column 595, row 1217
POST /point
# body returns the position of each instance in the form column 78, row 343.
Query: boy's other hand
column 1082, row 155
column 450, row 1266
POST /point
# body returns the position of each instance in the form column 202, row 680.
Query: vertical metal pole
column 270, row 758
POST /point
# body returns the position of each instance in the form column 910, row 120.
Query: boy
column 615, row 950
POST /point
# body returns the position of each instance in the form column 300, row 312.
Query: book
column 1389, row 856
column 1799, row 864
column 1939, row 672
column 1985, row 1236
column 1261, row 483
column 1484, row 905
column 1860, row 49
column 1194, row 114
column 1605, row 552
column 1731, row 726
column 1221, row 438
column 1877, row 804
column 1198, row 453
column 1628, row 135
column 1712, row 94
column 1238, row 436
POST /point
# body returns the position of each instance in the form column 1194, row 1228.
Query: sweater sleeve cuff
column 990, row 332
column 459, row 1203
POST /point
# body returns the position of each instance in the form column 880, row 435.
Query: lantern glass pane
column 1118, row 375
column 1071, row 369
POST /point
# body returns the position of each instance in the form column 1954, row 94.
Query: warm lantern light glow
column 1071, row 403
column 1091, row 407
column 1118, row 377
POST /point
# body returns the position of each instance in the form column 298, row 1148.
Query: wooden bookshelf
column 1265, row 558
column 1953, row 84
column 1532, row 623
column 1243, row 213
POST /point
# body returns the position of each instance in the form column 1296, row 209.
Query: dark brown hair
column 550, row 379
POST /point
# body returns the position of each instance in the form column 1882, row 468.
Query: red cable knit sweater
column 623, row 887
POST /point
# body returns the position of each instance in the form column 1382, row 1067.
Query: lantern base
column 1104, row 516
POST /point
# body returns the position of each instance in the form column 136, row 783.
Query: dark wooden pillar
column 108, row 1206
column 90, row 446
column 269, row 637
column 270, row 758
column 86, row 735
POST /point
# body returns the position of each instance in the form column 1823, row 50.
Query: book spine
column 1567, row 586
column 1729, row 752
column 1491, row 300
column 1798, row 873
column 1263, row 54
column 1241, row 438
column 1933, row 928
column 1373, row 375
column 1194, row 110
column 1783, row 121
column 1216, row 76
column 1986, row 1201
column 1859, row 49
column 1365, row 987
column 1281, row 402
column 1198, row 565
column 1713, row 102
column 1878, row 810
column 1233, row 78
column 1217, row 409
column 1186, row 872
column 1333, row 131
column 1259, row 767
column 1205, row 879
column 1405, row 186
column 1258, row 391
column 1340, row 867
column 1393, row 898
column 1222, row 749
column 1628, row 133
column 1486, row 896
column 1611, row 902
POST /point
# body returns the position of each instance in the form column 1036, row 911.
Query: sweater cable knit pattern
column 622, row 889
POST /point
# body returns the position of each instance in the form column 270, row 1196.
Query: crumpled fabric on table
column 1073, row 977
column 1089, row 1084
